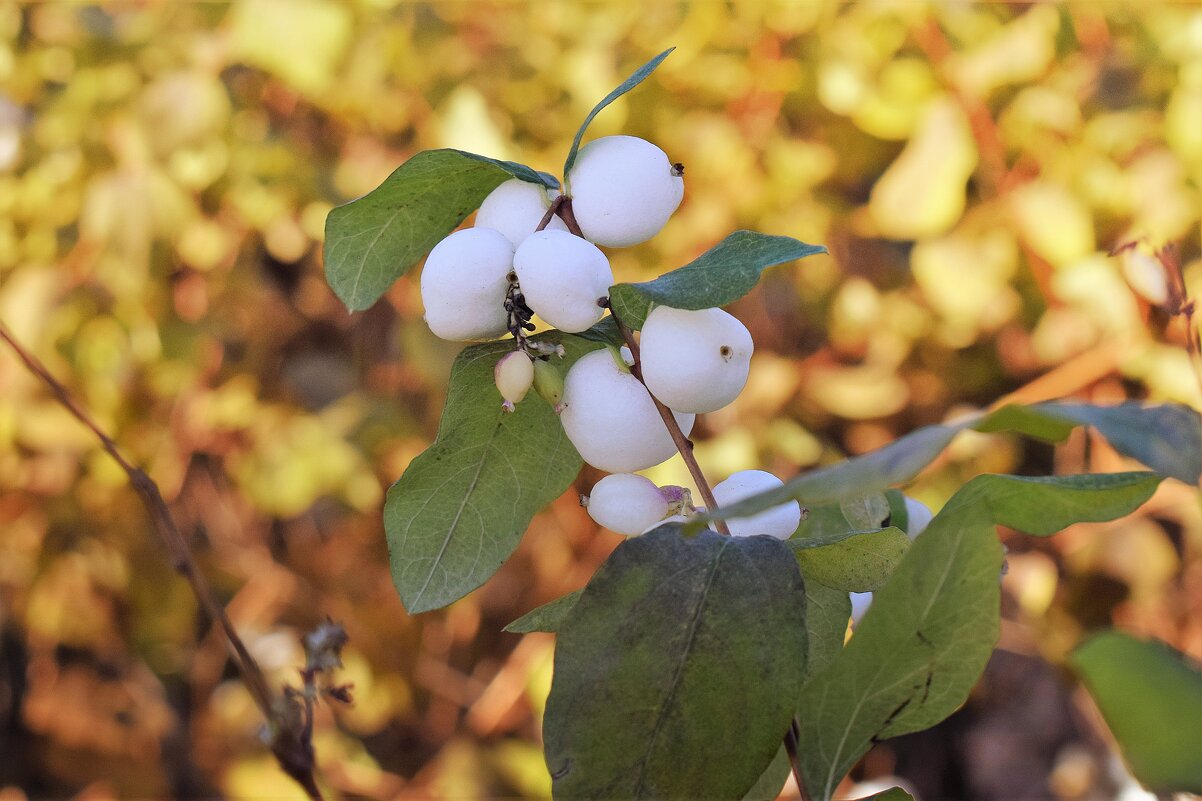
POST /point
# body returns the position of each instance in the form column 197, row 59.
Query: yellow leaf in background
column 922, row 193
column 301, row 41
column 857, row 393
column 1053, row 222
column 1095, row 286
column 1183, row 117
column 895, row 105
column 465, row 123
column 1022, row 51
column 966, row 278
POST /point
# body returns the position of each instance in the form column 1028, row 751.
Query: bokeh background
column 165, row 172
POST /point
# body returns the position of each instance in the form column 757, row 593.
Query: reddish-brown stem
column 181, row 560
column 682, row 442
column 551, row 212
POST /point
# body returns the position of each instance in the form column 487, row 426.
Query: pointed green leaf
column 827, row 614
column 859, row 563
column 1043, row 505
column 721, row 275
column 374, row 240
column 664, row 686
column 548, row 617
column 1151, row 697
column 462, row 506
column 915, row 654
column 637, row 77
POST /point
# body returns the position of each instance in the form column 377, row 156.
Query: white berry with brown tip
column 627, row 504
column 624, row 189
column 610, row 418
column 464, row 283
column 563, row 279
column 695, row 361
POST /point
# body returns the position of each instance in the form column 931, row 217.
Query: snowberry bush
column 694, row 664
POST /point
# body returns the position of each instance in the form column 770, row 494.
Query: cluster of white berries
column 521, row 260
column 918, row 516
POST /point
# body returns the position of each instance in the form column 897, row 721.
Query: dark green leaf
column 637, row 77
column 461, row 507
column 372, row 241
column 1043, row 505
column 663, row 685
column 859, row 563
column 1152, row 700
column 721, row 275
column 915, row 654
column 899, row 515
column 772, row 780
column 548, row 617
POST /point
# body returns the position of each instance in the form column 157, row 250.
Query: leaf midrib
column 662, row 714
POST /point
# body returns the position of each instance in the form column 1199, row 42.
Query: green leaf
column 1043, row 505
column 859, row 563
column 637, row 77
column 548, row 617
column 664, row 683
column 827, row 614
column 374, row 240
column 1166, row 438
column 721, row 275
column 866, row 511
column 1152, row 700
column 892, row 794
column 772, row 780
column 915, row 654
column 461, row 507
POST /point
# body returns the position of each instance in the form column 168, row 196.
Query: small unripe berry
column 515, row 208
column 623, row 190
column 627, row 504
column 779, row 521
column 695, row 361
column 548, row 383
column 611, row 419
column 514, row 374
column 562, row 277
column 464, row 282
column 919, row 517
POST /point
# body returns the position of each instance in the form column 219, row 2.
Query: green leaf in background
column 1167, row 438
column 548, row 617
column 914, row 656
column 721, row 275
column 860, row 563
column 866, row 511
column 664, row 682
column 1152, row 700
column 637, row 77
column 462, row 506
column 372, row 241
column 1044, row 505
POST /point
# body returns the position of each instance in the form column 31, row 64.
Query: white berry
column 919, row 517
column 623, row 190
column 464, row 282
column 695, row 361
column 562, row 278
column 515, row 208
column 611, row 419
column 779, row 521
column 627, row 503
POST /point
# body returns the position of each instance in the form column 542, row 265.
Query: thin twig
column 184, row 564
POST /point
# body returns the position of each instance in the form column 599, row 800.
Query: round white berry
column 611, row 419
column 464, row 282
column 779, row 521
column 562, row 278
column 919, row 517
column 623, row 190
column 515, row 208
column 695, row 361
column 627, row 503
